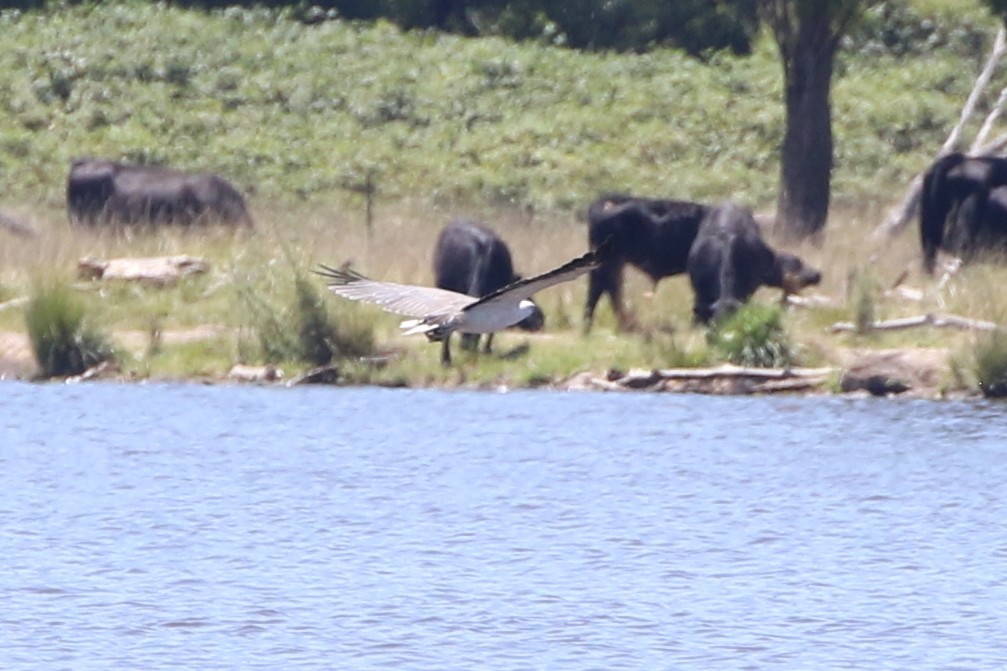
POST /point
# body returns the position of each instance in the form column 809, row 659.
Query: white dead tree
column 904, row 212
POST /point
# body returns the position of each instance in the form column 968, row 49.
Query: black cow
column 979, row 225
column 729, row 260
column 652, row 234
column 102, row 191
column 471, row 259
column 953, row 201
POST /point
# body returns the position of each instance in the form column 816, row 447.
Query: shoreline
column 911, row 372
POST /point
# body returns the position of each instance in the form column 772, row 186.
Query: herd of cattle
column 721, row 248
column 963, row 210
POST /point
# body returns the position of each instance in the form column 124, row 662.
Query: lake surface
column 216, row 527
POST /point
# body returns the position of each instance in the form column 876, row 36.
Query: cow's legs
column 604, row 280
column 623, row 318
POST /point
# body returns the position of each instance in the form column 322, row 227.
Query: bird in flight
column 437, row 313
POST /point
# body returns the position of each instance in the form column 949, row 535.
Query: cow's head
column 533, row 322
column 794, row 274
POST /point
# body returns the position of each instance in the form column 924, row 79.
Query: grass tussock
column 305, row 327
column 63, row 339
column 864, row 301
column 991, row 364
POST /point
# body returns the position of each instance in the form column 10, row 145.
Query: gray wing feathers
column 403, row 299
column 529, row 287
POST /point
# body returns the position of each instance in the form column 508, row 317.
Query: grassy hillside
column 302, row 111
column 299, row 115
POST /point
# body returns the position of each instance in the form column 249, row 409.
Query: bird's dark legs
column 446, row 351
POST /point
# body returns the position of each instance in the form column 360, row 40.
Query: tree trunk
column 806, row 158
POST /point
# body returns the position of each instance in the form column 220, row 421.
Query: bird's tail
column 414, row 326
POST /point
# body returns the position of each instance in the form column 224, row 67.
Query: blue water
column 218, row 527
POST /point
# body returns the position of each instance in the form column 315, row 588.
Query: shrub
column 752, row 336
column 62, row 340
column 306, row 329
column 991, row 364
column 321, row 337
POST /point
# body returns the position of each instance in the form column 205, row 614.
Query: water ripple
column 258, row 528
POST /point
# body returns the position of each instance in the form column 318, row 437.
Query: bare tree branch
column 991, row 119
column 899, row 216
column 928, row 320
column 999, row 48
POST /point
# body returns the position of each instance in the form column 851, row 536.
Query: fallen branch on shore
column 14, row 303
column 244, row 373
column 909, row 294
column 809, row 301
column 159, row 270
column 927, row 320
column 725, row 379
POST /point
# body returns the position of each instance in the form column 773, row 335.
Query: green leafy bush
column 306, row 328
column 63, row 341
column 753, row 336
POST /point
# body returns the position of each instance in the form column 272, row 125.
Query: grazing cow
column 471, row 259
column 102, row 191
column 953, row 201
column 729, row 260
column 652, row 234
column 979, row 225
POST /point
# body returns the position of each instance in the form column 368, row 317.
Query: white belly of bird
column 491, row 317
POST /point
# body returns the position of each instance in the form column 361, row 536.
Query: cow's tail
column 727, row 293
column 935, row 204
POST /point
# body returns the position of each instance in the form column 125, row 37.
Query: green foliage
column 628, row 25
column 900, row 28
column 63, row 341
column 991, row 364
column 321, row 337
column 753, row 336
column 240, row 91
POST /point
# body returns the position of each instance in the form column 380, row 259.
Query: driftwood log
column 157, row 270
column 920, row 321
column 14, row 303
column 244, row 373
column 725, row 379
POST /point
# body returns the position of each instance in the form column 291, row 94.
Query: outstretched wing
column 526, row 288
column 404, row 299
